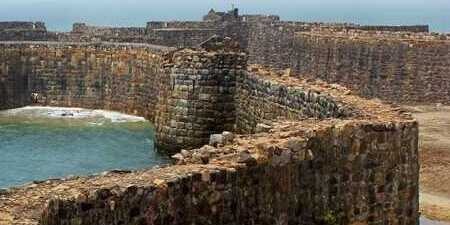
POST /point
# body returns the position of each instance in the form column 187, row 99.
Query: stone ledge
column 328, row 154
column 86, row 44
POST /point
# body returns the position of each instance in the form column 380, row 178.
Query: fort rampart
column 409, row 70
column 24, row 31
column 286, row 144
column 396, row 63
column 403, row 67
column 400, row 28
column 110, row 76
column 200, row 100
column 305, row 152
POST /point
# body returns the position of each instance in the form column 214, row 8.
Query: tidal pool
column 38, row 143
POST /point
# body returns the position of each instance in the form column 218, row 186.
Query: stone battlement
column 377, row 34
column 253, row 110
column 19, row 25
column 303, row 151
column 394, row 69
column 398, row 28
column 70, row 44
column 276, row 43
column 82, row 28
column 24, row 31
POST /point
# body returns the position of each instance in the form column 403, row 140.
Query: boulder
column 262, row 128
column 221, row 139
column 228, row 137
column 216, row 139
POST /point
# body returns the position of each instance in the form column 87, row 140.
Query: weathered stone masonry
column 392, row 68
column 276, row 43
column 25, row 31
column 308, row 152
column 327, row 178
column 116, row 77
column 262, row 101
column 327, row 157
column 403, row 67
column 200, row 97
column 189, row 95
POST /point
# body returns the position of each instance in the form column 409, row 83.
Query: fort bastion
column 268, row 121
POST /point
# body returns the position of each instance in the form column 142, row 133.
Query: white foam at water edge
column 117, row 117
column 70, row 113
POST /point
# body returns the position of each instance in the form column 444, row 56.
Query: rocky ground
column 434, row 122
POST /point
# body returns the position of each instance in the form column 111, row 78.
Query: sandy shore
column 434, row 122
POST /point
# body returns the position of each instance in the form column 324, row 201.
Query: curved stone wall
column 323, row 157
column 119, row 77
column 260, row 100
column 189, row 95
column 308, row 152
column 403, row 67
column 388, row 66
column 200, row 98
column 333, row 172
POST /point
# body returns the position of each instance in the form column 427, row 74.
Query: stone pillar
column 197, row 97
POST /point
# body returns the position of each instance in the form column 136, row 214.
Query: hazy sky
column 60, row 14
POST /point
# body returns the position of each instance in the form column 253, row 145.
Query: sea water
column 38, row 143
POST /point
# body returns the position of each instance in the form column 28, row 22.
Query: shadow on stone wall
column 322, row 156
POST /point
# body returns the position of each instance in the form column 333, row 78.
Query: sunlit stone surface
column 43, row 142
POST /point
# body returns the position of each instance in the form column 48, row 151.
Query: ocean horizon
column 60, row 15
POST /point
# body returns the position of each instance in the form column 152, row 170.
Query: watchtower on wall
column 214, row 16
column 23, row 31
column 79, row 27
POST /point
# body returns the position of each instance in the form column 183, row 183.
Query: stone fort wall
column 168, row 33
column 24, row 31
column 391, row 68
column 200, row 99
column 400, row 28
column 322, row 156
column 402, row 67
column 262, row 101
column 404, row 64
column 118, row 77
column 304, row 151
column 189, row 95
column 314, row 174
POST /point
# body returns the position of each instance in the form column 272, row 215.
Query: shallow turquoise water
column 37, row 145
